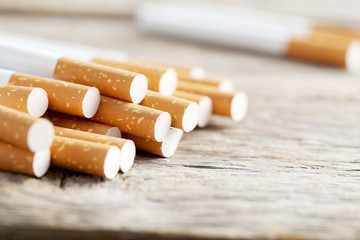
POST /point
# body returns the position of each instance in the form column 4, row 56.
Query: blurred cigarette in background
column 249, row 29
column 110, row 81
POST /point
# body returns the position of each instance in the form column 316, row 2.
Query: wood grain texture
column 290, row 170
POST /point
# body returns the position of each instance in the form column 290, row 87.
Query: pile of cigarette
column 87, row 110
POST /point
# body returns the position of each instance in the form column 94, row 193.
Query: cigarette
column 72, row 122
column 63, row 96
column 19, row 160
column 221, row 84
column 254, row 30
column 205, row 106
column 110, row 81
column 230, row 104
column 33, row 101
column 166, row 148
column 25, row 131
column 328, row 49
column 184, row 113
column 133, row 119
column 160, row 79
column 127, row 147
column 85, row 157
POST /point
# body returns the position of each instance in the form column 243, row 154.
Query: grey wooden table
column 290, row 170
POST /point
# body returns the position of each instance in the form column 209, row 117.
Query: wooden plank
column 291, row 170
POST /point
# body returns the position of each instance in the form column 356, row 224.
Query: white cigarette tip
column 170, row 143
column 128, row 152
column 239, row 106
column 91, row 102
column 41, row 162
column 114, row 132
column 168, row 82
column 138, row 88
column 37, row 102
column 226, row 86
column 353, row 57
column 112, row 162
column 162, row 126
column 190, row 117
column 197, row 72
column 205, row 110
column 40, row 135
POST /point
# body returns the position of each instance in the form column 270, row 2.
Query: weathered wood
column 290, row 170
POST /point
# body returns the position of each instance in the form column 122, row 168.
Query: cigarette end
column 112, row 162
column 190, row 117
column 41, row 162
column 128, row 152
column 205, row 111
column 91, row 102
column 114, row 132
column 162, row 126
column 37, row 102
column 239, row 106
column 168, row 82
column 40, row 135
column 138, row 88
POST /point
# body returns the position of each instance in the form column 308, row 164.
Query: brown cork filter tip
column 63, row 97
column 117, row 83
column 328, row 49
column 134, row 119
column 85, row 157
column 338, row 30
column 205, row 106
column 19, row 160
column 72, row 122
column 221, row 84
column 33, row 101
column 229, row 104
column 160, row 79
column 167, row 148
column 24, row 131
column 184, row 113
column 127, row 147
column 194, row 72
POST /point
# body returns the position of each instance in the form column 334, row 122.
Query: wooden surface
column 290, row 170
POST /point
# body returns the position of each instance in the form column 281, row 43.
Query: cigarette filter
column 19, row 160
column 118, row 83
column 221, row 84
column 67, row 121
column 134, row 119
column 86, row 157
column 63, row 96
column 33, row 101
column 166, row 148
column 127, row 147
column 110, row 81
column 326, row 48
column 22, row 130
column 230, row 104
column 160, row 79
column 205, row 106
column 184, row 113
